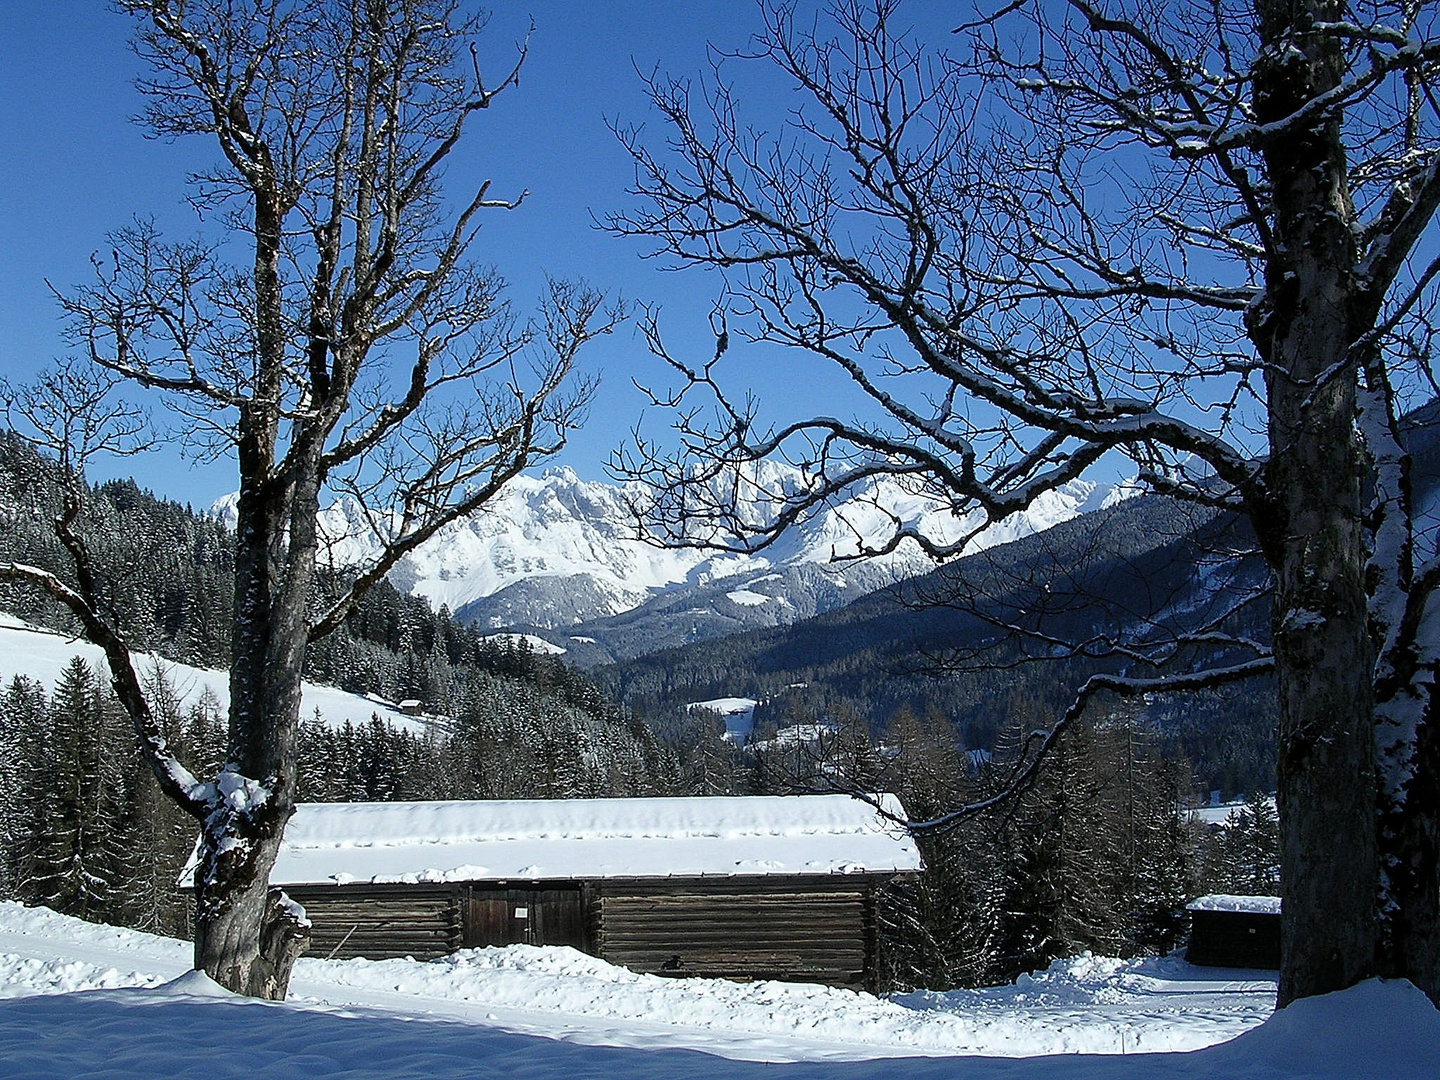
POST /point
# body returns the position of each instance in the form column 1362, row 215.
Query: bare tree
column 1199, row 235
column 333, row 334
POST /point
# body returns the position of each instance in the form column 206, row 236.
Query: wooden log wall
column 806, row 928
column 381, row 921
column 800, row 929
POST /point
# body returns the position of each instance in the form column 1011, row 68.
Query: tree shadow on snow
column 1377, row 1030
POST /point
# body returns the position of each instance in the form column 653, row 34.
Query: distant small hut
column 1235, row 931
column 782, row 887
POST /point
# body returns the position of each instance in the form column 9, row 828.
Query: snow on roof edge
column 1254, row 905
column 538, row 840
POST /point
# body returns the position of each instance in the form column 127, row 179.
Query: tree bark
column 1312, row 527
column 247, row 935
column 1325, row 763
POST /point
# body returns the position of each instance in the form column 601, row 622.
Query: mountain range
column 563, row 558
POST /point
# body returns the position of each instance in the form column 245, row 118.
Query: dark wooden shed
column 782, row 887
column 1235, row 931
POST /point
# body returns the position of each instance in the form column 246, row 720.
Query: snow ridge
column 42, row 654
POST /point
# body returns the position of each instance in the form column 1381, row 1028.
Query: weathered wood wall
column 808, row 928
column 811, row 929
column 380, row 921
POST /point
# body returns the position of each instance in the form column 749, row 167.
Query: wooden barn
column 1234, row 931
column 781, row 887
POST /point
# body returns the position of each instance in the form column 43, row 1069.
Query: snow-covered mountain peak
column 572, row 548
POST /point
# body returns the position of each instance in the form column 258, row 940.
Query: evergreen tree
column 156, row 837
column 941, row 928
column 77, row 792
column 1242, row 855
column 1157, row 868
column 22, row 715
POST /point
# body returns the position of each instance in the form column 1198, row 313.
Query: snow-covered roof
column 1223, row 813
column 1255, row 905
column 562, row 839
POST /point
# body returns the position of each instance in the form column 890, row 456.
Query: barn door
column 557, row 917
column 532, row 916
column 495, row 917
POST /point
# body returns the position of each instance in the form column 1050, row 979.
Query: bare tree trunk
column 247, row 934
column 1326, row 780
column 1313, row 529
column 334, row 123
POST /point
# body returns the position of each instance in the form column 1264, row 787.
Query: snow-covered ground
column 41, row 654
column 78, row 1000
column 538, row 644
column 1223, row 813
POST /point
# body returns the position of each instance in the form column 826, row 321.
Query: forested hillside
column 1011, row 630
column 1016, row 629
column 168, row 578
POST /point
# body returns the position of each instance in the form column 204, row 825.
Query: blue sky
column 75, row 167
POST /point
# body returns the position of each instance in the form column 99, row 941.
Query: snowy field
column 42, row 654
column 78, row 1000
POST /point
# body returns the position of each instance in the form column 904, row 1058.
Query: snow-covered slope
column 42, row 654
column 556, row 551
column 83, row 1000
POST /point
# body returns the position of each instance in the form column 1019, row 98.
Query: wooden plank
column 798, row 919
column 703, row 903
column 710, row 948
column 379, row 921
column 660, row 940
column 740, row 916
column 734, row 899
column 784, row 931
column 760, row 927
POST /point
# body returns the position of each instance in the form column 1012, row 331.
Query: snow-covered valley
column 78, row 1000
